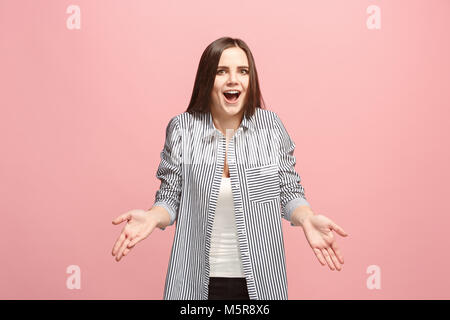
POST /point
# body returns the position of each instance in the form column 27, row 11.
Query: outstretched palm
column 318, row 230
column 139, row 226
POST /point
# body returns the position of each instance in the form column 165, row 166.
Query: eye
column 220, row 70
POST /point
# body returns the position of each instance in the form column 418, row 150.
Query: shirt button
column 232, row 161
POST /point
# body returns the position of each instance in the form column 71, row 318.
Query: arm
column 162, row 215
column 300, row 215
column 167, row 198
column 294, row 206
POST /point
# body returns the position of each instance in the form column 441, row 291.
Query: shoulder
column 173, row 124
column 275, row 125
column 262, row 118
column 265, row 118
column 177, row 121
column 186, row 120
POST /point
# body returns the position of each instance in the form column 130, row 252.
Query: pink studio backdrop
column 84, row 111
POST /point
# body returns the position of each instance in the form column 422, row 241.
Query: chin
column 231, row 109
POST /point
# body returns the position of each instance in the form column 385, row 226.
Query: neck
column 227, row 123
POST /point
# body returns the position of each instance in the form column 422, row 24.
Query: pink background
column 83, row 117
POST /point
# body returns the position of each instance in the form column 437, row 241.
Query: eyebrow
column 225, row 67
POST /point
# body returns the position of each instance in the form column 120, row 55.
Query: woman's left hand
column 319, row 233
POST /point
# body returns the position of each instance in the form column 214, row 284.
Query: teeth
column 232, row 91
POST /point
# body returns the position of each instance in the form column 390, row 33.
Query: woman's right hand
column 140, row 224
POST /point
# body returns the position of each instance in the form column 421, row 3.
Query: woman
column 227, row 176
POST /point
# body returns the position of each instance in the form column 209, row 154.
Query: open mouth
column 232, row 96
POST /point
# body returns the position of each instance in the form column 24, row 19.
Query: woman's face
column 232, row 74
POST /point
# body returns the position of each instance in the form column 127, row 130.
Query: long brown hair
column 206, row 74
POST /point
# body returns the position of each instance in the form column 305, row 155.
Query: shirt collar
column 248, row 124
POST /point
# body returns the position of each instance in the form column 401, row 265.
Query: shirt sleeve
column 169, row 172
column 292, row 193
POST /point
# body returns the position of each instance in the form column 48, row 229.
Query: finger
column 338, row 253
column 320, row 256
column 334, row 259
column 134, row 241
column 141, row 236
column 125, row 252
column 122, row 218
column 327, row 258
column 338, row 229
column 118, row 243
column 122, row 248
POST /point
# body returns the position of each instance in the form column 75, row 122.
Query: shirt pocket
column 263, row 183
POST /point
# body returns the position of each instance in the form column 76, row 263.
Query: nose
column 232, row 78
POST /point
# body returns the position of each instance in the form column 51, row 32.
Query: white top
column 225, row 256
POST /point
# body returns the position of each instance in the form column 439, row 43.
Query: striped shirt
column 265, row 187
